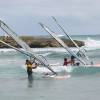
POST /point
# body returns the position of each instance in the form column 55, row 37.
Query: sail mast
column 61, row 42
column 26, row 48
column 70, row 38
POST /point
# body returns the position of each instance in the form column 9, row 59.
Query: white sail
column 26, row 48
column 14, row 36
column 61, row 42
column 80, row 51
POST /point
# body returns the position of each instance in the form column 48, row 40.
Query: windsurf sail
column 28, row 54
column 11, row 33
column 26, row 48
column 21, row 51
column 80, row 51
column 61, row 42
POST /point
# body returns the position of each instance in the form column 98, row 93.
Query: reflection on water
column 30, row 80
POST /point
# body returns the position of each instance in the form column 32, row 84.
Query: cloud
column 76, row 13
column 52, row 7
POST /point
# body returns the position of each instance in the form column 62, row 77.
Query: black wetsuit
column 73, row 60
column 29, row 71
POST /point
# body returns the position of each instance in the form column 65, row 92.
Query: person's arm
column 35, row 65
column 69, row 62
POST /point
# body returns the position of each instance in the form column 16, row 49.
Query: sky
column 76, row 16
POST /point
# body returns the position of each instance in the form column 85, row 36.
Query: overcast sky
column 76, row 16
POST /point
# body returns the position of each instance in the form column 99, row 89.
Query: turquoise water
column 83, row 84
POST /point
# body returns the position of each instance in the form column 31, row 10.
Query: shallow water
column 83, row 83
column 14, row 85
column 74, row 88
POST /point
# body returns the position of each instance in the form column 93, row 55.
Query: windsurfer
column 72, row 60
column 66, row 62
column 30, row 65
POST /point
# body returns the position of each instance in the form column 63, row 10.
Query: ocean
column 83, row 83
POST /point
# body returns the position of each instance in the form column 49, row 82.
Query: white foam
column 55, row 68
column 48, row 50
column 91, row 44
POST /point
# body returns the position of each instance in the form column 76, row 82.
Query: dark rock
column 38, row 42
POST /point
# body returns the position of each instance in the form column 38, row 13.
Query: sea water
column 81, row 85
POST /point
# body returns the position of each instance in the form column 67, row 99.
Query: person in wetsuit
column 30, row 66
column 72, row 60
column 66, row 62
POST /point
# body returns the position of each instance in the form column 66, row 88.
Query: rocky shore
column 38, row 42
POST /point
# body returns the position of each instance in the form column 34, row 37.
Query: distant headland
column 38, row 42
